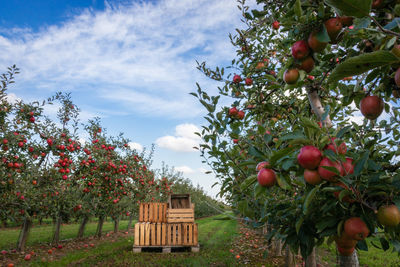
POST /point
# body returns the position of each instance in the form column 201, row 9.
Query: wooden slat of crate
column 137, row 234
column 163, row 234
column 195, row 234
column 152, row 212
column 141, row 212
column 180, row 215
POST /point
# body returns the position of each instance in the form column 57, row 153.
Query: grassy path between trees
column 223, row 243
column 43, row 233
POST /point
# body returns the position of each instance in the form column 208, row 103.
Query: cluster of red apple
column 236, row 114
column 310, row 158
column 237, row 79
column 302, row 50
column 354, row 230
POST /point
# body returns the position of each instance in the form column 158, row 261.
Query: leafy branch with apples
column 314, row 153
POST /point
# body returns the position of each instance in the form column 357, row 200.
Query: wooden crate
column 179, row 201
column 152, row 212
column 180, row 215
column 165, row 234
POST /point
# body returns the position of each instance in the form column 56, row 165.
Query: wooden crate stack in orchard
column 167, row 225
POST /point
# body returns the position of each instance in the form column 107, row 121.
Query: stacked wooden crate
column 167, row 225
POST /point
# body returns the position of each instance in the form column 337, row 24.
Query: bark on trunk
column 116, row 225
column 315, row 102
column 130, row 221
column 278, row 247
column 99, row 227
column 311, row 260
column 349, row 261
column 56, row 236
column 82, row 227
column 290, row 260
column 23, row 235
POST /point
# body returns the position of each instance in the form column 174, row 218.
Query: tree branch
column 315, row 102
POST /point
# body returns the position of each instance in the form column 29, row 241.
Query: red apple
column 240, row 115
column 314, row 44
column 356, row 228
column 341, row 149
column 371, row 107
column 348, row 166
column 346, row 20
column 345, row 251
column 326, row 174
column 261, row 165
column 248, row 81
column 333, row 27
column 266, row 177
column 397, row 77
column 237, row 79
column 307, row 64
column 377, row 3
column 233, row 112
column 275, row 25
column 28, row 257
column 396, row 50
column 291, row 76
column 309, row 157
column 300, row 49
column 312, row 177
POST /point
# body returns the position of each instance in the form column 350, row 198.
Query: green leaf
column 310, row 196
column 249, row 181
column 362, row 23
column 282, row 182
column 277, row 155
column 259, row 190
column 343, row 131
column 362, row 245
column 297, row 8
column 293, row 135
column 255, row 152
column 322, row 35
column 355, row 8
column 361, row 163
column 362, row 63
column 384, row 243
column 332, row 169
column 299, row 223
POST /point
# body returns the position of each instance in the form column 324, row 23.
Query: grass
column 43, row 233
column 215, row 236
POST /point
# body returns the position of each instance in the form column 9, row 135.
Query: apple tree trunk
column 311, row 260
column 100, row 227
column 116, row 225
column 278, row 247
column 23, row 235
column 290, row 260
column 130, row 221
column 349, row 261
column 56, row 235
column 82, row 227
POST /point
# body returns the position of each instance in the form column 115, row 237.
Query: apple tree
column 312, row 96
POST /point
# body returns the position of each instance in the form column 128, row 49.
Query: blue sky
column 132, row 63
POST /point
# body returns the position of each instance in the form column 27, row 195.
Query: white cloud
column 138, row 147
column 184, row 139
column 138, row 56
column 184, row 169
column 12, row 98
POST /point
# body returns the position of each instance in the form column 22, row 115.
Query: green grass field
column 216, row 238
column 43, row 233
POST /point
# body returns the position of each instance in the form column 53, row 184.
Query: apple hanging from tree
column 356, row 228
column 314, row 44
column 333, row 27
column 312, row 177
column 291, row 76
column 327, row 174
column 307, row 64
column 371, row 107
column 266, row 177
column 237, row 79
column 389, row 215
column 309, row 157
column 275, row 25
column 300, row 49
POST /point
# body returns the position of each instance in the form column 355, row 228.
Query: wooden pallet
column 166, row 234
column 180, row 215
column 152, row 212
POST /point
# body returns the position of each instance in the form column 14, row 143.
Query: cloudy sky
column 132, row 63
